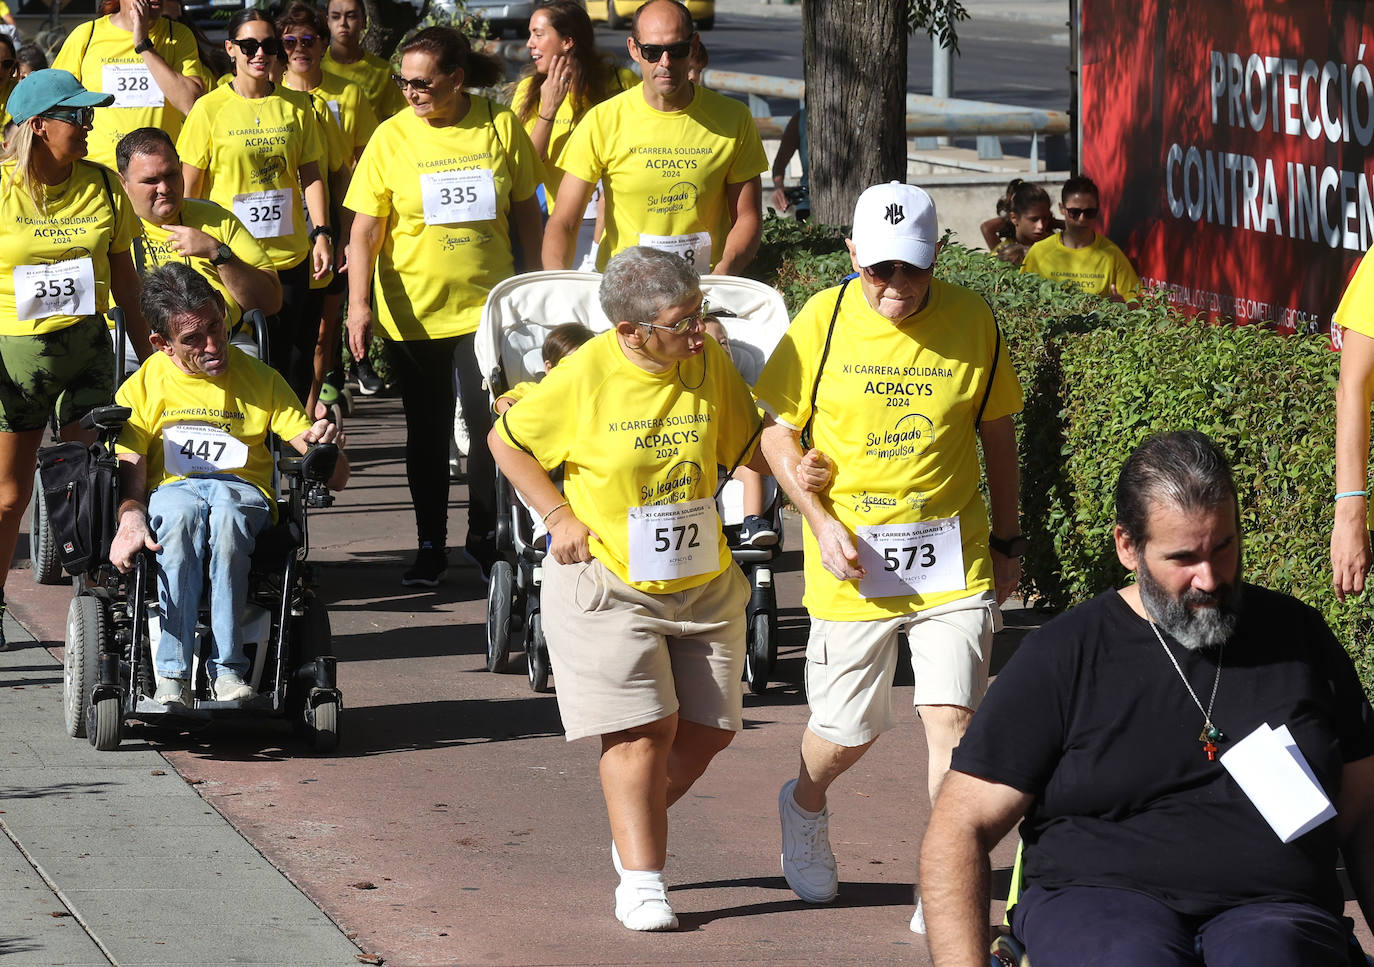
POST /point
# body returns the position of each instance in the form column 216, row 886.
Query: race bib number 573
column 902, row 559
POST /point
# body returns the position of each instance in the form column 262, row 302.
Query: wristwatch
column 144, row 45
column 1009, row 546
column 319, row 230
column 225, row 254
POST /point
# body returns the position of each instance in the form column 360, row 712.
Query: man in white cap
column 895, row 376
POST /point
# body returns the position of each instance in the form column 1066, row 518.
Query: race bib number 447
column 670, row 541
column 62, row 289
column 902, row 559
column 193, row 448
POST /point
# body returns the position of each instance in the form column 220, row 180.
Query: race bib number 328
column 902, row 559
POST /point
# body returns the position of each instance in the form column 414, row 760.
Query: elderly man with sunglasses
column 896, row 377
column 680, row 164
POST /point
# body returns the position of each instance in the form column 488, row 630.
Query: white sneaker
column 807, row 860
column 918, row 919
column 173, row 691
column 229, row 687
column 641, row 903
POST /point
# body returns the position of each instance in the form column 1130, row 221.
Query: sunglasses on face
column 291, row 41
column 250, row 46
column 654, row 52
column 684, row 325
column 82, row 117
column 882, row 271
column 1081, row 212
column 413, row 83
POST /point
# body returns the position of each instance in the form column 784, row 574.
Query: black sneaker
column 431, row 564
column 757, row 532
column 482, row 552
column 369, row 383
column 3, row 646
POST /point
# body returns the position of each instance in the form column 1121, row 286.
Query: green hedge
column 1098, row 378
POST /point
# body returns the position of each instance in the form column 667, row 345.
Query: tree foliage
column 939, row 18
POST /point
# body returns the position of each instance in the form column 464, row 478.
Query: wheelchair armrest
column 316, row 465
column 105, row 419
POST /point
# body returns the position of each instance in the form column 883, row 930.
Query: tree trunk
column 855, row 56
column 387, row 22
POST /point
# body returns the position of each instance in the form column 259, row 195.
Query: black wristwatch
column 1009, row 546
column 222, row 256
column 319, row 230
column 144, row 45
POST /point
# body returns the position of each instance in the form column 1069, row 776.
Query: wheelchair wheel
column 500, row 599
column 103, row 723
column 537, row 654
column 47, row 569
column 759, row 653
column 322, row 725
column 87, row 628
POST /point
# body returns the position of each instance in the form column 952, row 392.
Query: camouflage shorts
column 70, row 371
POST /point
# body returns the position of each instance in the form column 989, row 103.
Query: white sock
column 806, row 812
column 649, row 878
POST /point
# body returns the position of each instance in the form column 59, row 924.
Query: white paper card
column 451, row 197
column 61, row 289
column 670, row 541
column 190, row 448
column 131, row 84
column 266, row 214
column 1274, row 774
column 589, row 213
column 694, row 248
column 900, row 559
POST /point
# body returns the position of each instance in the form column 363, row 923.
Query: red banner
column 1233, row 143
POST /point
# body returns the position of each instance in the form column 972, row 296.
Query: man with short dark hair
column 1080, row 253
column 1175, row 748
column 196, row 474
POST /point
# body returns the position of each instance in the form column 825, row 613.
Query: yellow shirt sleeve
column 194, row 142
column 1356, row 310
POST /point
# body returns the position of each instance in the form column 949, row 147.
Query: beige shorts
column 850, row 664
column 624, row 658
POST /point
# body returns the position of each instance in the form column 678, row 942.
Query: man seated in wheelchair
column 196, row 474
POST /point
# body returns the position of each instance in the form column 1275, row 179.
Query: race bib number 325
column 902, row 559
column 195, row 448
column 670, row 541
column 62, row 289
column 266, row 214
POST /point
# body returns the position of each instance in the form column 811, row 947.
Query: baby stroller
column 518, row 315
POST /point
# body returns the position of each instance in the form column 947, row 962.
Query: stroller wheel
column 537, row 654
column 500, row 600
column 760, row 652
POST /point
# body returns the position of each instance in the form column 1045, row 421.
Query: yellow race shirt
column 251, row 152
column 152, row 251
column 55, row 264
column 373, row 75
column 352, row 112
column 102, row 58
column 564, row 120
column 631, row 439
column 895, row 410
column 519, row 391
column 445, row 196
column 199, row 426
column 665, row 173
column 1096, row 268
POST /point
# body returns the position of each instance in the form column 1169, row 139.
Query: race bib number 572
column 670, row 541
column 903, row 559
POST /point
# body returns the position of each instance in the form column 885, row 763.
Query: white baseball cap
column 895, row 221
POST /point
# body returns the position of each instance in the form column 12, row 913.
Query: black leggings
column 294, row 330
column 425, row 369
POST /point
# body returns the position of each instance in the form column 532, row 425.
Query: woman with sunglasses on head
column 643, row 607
column 254, row 147
column 68, row 230
column 149, row 63
column 435, row 197
column 567, row 78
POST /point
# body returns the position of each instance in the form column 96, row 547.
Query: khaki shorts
column 70, row 371
column 850, row 664
column 623, row 658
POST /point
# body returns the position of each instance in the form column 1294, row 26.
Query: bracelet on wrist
column 545, row 519
column 1352, row 493
column 543, row 118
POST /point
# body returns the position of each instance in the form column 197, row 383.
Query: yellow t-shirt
column 241, row 405
column 251, row 152
column 1095, row 267
column 351, row 110
column 629, row 438
column 151, row 250
column 102, row 58
column 433, row 274
column 60, row 259
column 519, row 391
column 373, row 75
column 895, row 410
column 564, row 120
column 665, row 173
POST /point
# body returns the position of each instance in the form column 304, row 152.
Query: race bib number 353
column 901, row 559
column 62, row 289
column 670, row 541
column 192, row 448
column 450, row 197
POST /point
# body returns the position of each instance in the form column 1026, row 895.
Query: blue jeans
column 190, row 519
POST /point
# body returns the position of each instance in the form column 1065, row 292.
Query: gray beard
column 1192, row 627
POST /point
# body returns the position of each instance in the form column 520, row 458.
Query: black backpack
column 80, row 488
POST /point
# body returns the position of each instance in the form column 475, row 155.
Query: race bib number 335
column 671, row 541
column 450, row 197
column 902, row 559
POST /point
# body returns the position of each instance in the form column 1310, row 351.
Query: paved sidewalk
column 114, row 858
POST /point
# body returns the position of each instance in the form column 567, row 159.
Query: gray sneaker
column 229, row 687
column 807, row 860
column 173, row 691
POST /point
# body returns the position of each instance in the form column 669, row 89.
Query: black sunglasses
column 412, row 83
column 654, row 52
column 82, row 117
column 291, row 40
column 882, row 271
column 1081, row 212
column 251, row 45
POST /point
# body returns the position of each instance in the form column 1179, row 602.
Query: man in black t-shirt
column 1111, row 733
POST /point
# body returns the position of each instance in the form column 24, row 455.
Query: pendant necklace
column 1210, row 734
